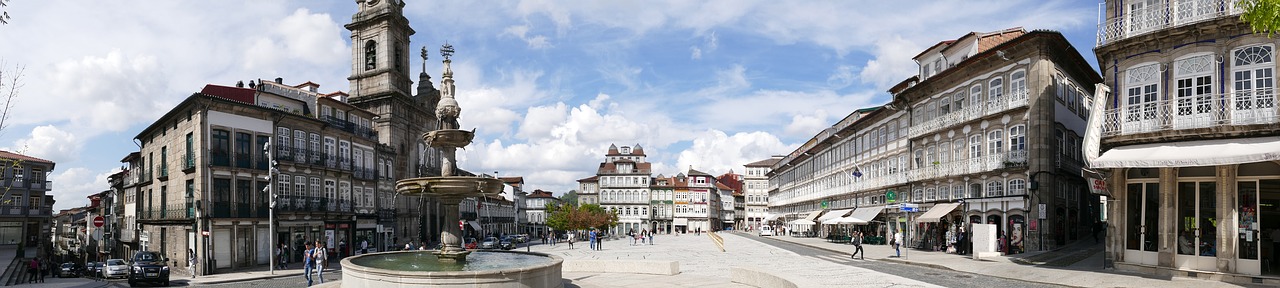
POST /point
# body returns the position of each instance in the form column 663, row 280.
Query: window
column 329, row 153
column 262, row 153
column 1141, row 94
column 315, row 148
column 957, row 191
column 282, row 143
column 315, row 186
column 1017, row 187
column 944, row 106
column 300, row 185
column 330, row 189
column 1018, row 138
column 164, row 161
column 189, row 157
column 220, row 151
column 995, row 142
column 300, row 145
column 995, row 188
column 370, row 55
column 996, row 91
column 244, row 144
column 1252, row 77
column 944, row 152
column 284, row 185
column 975, row 146
column 1018, row 84
column 957, row 101
column 893, row 129
column 958, row 146
column 975, row 96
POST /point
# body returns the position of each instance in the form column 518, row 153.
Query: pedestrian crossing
column 837, row 258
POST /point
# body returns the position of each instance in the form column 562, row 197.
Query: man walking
column 191, row 262
column 650, row 237
column 321, row 257
column 591, row 239
column 569, row 238
column 307, row 263
column 897, row 243
column 857, row 244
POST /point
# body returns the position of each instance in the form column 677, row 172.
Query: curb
column 935, row 266
column 263, row 277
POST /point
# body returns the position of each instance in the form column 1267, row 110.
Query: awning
column 771, row 217
column 1191, row 153
column 833, row 214
column 813, row 215
column 846, row 220
column 680, row 222
column 474, row 224
column 803, row 222
column 937, row 212
column 865, row 214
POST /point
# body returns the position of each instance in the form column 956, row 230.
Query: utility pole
column 271, row 206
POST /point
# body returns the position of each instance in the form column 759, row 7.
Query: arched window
column 1017, row 187
column 995, row 142
column 975, row 146
column 1018, row 84
column 995, row 188
column 975, row 97
column 996, row 90
column 957, row 191
column 930, row 194
column 370, row 55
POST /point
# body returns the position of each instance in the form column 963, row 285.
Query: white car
column 766, row 231
column 115, row 268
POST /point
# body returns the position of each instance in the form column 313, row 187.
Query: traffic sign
column 98, row 221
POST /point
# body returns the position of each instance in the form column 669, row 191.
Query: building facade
column 537, row 211
column 988, row 115
column 1186, row 141
column 27, row 208
column 661, row 204
column 756, row 192
column 624, row 187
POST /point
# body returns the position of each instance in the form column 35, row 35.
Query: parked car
column 68, row 270
column 89, row 269
column 506, row 244
column 115, row 268
column 522, row 238
column 766, row 231
column 148, row 266
column 469, row 243
column 489, row 243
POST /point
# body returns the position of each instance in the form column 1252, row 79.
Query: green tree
column 570, row 197
column 1262, row 15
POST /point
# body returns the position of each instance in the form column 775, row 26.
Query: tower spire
column 448, row 110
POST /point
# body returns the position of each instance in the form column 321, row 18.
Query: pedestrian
column 321, row 258
column 364, row 246
column 857, row 244
column 569, row 238
column 1097, row 227
column 191, row 262
column 643, row 232
column 897, row 243
column 650, row 237
column 32, row 266
column 591, row 239
column 44, row 269
column 280, row 253
column 307, row 263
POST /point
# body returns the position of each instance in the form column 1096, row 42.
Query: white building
column 624, row 187
column 756, row 188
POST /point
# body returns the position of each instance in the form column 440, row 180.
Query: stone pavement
column 330, row 272
column 703, row 265
column 1085, row 273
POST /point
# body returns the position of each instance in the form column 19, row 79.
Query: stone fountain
column 450, row 265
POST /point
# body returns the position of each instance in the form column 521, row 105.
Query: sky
column 548, row 85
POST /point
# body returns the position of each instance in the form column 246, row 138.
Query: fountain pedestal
column 452, row 250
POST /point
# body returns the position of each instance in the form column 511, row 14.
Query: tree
column 570, row 216
column 570, row 197
column 1262, row 15
column 10, row 85
column 4, row 14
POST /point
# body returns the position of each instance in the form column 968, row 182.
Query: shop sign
column 890, row 196
column 1098, row 186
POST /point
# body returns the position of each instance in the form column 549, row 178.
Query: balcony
column 283, row 153
column 1135, row 22
column 243, row 160
column 386, row 214
column 168, row 212
column 1008, row 160
column 42, row 185
column 1015, row 99
column 307, row 204
column 221, row 209
column 1250, row 107
column 164, row 172
column 220, row 158
column 350, row 127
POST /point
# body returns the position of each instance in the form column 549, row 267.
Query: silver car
column 115, row 268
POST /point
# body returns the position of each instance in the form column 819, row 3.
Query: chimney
column 279, row 80
column 251, row 84
column 239, row 84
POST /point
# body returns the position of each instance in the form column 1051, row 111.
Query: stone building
column 537, row 211
column 27, row 207
column 756, row 192
column 661, row 204
column 624, row 187
column 381, row 83
column 589, row 190
column 1185, row 141
column 984, row 134
column 732, row 208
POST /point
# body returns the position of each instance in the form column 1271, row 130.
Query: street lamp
column 271, row 206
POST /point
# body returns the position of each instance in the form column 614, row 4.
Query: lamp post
column 271, row 206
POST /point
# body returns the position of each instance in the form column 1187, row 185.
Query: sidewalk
column 1085, row 273
column 330, row 272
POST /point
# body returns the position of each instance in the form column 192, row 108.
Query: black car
column 68, row 270
column 148, row 266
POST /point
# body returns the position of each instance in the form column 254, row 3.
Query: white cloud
column 522, row 32
column 50, row 143
column 804, row 125
column 717, row 153
column 696, row 53
column 892, row 62
column 301, row 37
column 73, row 185
column 842, row 77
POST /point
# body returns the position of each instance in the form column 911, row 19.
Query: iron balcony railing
column 981, row 164
column 1015, row 99
column 188, row 161
column 300, row 155
column 1138, row 19
column 178, row 211
column 219, row 158
column 1257, row 106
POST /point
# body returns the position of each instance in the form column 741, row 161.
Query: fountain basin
column 449, row 186
column 448, row 138
column 482, row 269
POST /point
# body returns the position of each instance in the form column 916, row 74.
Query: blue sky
column 547, row 84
